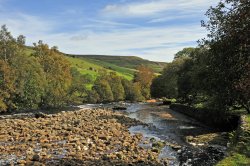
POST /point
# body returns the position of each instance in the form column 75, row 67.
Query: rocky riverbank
column 83, row 137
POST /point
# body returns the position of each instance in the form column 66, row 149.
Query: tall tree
column 144, row 77
column 30, row 82
column 7, row 80
column 166, row 85
column 57, row 73
column 229, row 43
column 116, row 86
column 78, row 89
column 8, row 46
column 103, row 90
column 185, row 52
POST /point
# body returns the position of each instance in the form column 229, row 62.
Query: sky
column 151, row 29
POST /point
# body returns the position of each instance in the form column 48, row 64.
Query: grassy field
column 127, row 62
column 239, row 154
column 89, row 66
column 124, row 66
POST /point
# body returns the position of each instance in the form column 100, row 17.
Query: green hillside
column 88, row 66
column 130, row 62
column 124, row 66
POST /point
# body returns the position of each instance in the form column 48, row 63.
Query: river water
column 173, row 129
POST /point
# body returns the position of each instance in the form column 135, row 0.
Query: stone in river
column 21, row 162
column 36, row 157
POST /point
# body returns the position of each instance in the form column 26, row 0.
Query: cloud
column 151, row 43
column 111, row 23
column 79, row 38
column 143, row 9
column 107, row 35
column 154, row 43
column 31, row 26
column 152, row 8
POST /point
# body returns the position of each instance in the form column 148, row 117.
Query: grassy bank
column 239, row 152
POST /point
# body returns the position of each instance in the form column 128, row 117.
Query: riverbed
column 139, row 134
column 187, row 141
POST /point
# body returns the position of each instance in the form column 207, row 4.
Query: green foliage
column 116, row 87
column 144, row 78
column 217, row 73
column 228, row 59
column 79, row 86
column 40, row 76
column 6, row 85
column 186, row 52
column 109, row 87
column 104, row 91
column 166, row 85
column 128, row 89
column 9, row 47
column 136, row 94
column 22, row 76
column 30, row 82
column 92, row 97
column 235, row 159
column 57, row 74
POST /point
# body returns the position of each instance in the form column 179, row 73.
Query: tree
column 136, row 94
column 132, row 91
column 166, row 85
column 127, row 85
column 6, row 86
column 30, row 82
column 116, row 86
column 185, row 52
column 144, row 78
column 229, row 44
column 8, row 46
column 93, row 97
column 26, row 87
column 57, row 73
column 103, row 90
column 192, row 76
column 78, row 89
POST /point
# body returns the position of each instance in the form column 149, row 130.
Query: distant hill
column 124, row 66
column 130, row 62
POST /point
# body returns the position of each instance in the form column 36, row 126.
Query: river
column 187, row 142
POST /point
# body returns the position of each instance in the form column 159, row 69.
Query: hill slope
column 124, row 66
column 130, row 62
column 88, row 66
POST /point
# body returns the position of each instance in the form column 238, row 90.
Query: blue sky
column 151, row 29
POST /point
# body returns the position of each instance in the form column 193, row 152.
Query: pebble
column 92, row 135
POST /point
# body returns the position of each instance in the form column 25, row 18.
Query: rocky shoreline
column 82, row 137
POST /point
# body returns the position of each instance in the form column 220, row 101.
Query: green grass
column 87, row 66
column 239, row 154
column 124, row 66
column 235, row 159
column 121, row 71
column 84, row 66
column 129, row 62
